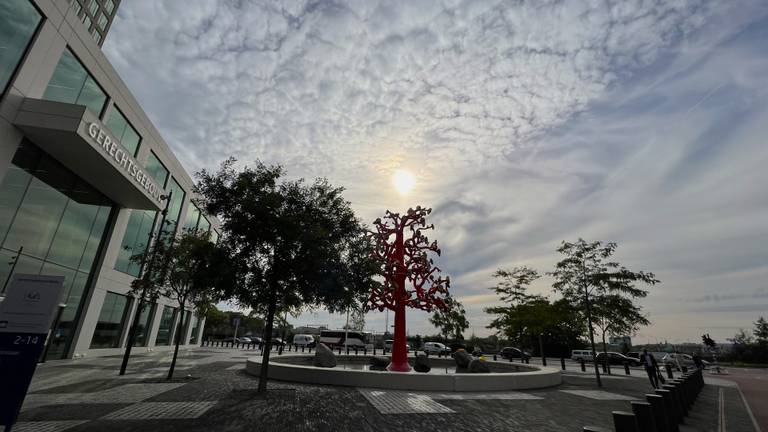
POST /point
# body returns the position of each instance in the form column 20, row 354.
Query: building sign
column 115, row 151
column 25, row 318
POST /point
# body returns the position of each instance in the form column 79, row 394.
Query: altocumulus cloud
column 527, row 123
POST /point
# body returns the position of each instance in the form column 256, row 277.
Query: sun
column 404, row 181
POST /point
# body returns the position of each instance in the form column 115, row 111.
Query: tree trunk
column 399, row 361
column 592, row 335
column 267, row 340
column 179, row 329
column 607, row 360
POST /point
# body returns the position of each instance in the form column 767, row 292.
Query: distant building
column 620, row 340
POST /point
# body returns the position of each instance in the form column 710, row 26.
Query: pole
column 53, row 332
column 541, row 349
column 237, row 324
column 13, row 267
column 146, row 274
column 346, row 331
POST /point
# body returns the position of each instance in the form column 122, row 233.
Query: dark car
column 634, row 354
column 615, row 358
column 513, row 353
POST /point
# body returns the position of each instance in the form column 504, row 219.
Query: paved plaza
column 211, row 392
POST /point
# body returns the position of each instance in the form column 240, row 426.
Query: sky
column 525, row 124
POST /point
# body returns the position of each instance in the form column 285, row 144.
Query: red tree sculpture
column 406, row 260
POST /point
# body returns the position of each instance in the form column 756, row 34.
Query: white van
column 436, row 348
column 578, row 355
column 303, row 340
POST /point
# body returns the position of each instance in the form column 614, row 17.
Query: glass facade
column 195, row 329
column 145, row 324
column 156, row 169
column 18, row 23
column 58, row 222
column 109, row 328
column 123, row 131
column 193, row 215
column 203, row 225
column 135, row 241
column 214, row 237
column 71, row 83
column 165, row 331
column 174, row 208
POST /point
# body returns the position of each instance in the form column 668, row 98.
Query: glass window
column 123, row 131
column 195, row 329
column 156, row 169
column 109, row 328
column 96, row 36
column 145, row 325
column 76, row 7
column 87, row 21
column 165, row 331
column 93, row 8
column 193, row 215
column 174, row 208
column 109, row 6
column 214, row 236
column 102, row 22
column 18, row 22
column 135, row 241
column 204, row 225
column 71, row 83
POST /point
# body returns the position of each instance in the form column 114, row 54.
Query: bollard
column 347, row 349
column 644, row 414
column 384, row 351
column 374, row 350
column 527, row 360
column 659, row 412
column 625, row 422
column 280, row 350
column 605, row 367
column 675, row 395
column 302, row 348
column 365, row 351
column 562, row 363
column 510, row 359
column 583, row 366
column 626, row 368
column 670, row 409
column 669, row 370
column 355, row 350
column 310, row 350
column 494, row 357
column 678, row 390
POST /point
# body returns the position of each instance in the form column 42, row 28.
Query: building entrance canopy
column 74, row 136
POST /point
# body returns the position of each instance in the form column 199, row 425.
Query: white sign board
column 30, row 303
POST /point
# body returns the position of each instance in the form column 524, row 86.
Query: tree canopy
column 292, row 243
column 452, row 320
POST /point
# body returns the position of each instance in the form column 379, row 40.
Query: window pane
column 71, row 83
column 18, row 21
column 96, row 36
column 165, row 330
column 102, row 21
column 214, row 236
column 204, row 225
column 109, row 328
column 87, row 21
column 109, row 6
column 195, row 329
column 93, row 8
column 135, row 241
column 174, row 208
column 193, row 215
column 123, row 131
column 73, row 233
column 94, row 240
column 156, row 169
column 145, row 325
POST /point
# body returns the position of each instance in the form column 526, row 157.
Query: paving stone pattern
column 211, row 392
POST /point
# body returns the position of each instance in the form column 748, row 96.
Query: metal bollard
column 365, row 351
column 686, row 403
column 280, row 350
column 543, row 361
column 669, row 371
column 510, row 359
column 583, row 366
column 302, row 348
column 310, row 350
column 675, row 395
column 605, row 367
column 644, row 414
column 625, row 422
column 527, row 360
column 355, row 350
column 374, row 350
column 562, row 363
column 659, row 412
column 678, row 391
column 347, row 350
column 626, row 368
column 671, row 410
column 339, row 349
column 494, row 357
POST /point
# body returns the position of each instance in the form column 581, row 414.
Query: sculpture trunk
column 399, row 362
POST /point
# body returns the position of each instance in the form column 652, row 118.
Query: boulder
column 324, row 357
column 378, row 363
column 479, row 366
column 421, row 364
column 462, row 359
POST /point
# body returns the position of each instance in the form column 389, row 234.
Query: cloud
column 526, row 123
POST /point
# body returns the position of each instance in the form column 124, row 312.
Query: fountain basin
column 503, row 376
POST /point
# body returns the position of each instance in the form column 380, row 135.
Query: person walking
column 651, row 367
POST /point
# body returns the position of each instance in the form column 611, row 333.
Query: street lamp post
column 52, row 335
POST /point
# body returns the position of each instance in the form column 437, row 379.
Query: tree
column 410, row 277
column 293, row 244
column 452, row 320
column 761, row 330
column 586, row 275
column 512, row 289
column 617, row 315
column 196, row 273
column 215, row 321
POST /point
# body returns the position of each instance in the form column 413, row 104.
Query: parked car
column 615, row 358
column 389, row 342
column 304, row 340
column 634, row 355
column 677, row 361
column 514, row 353
column 277, row 342
column 243, row 339
column 436, row 348
column 256, row 340
column 578, row 355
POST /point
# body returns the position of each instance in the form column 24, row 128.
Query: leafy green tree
column 452, row 322
column 586, row 275
column 616, row 315
column 216, row 321
column 512, row 288
column 761, row 330
column 293, row 244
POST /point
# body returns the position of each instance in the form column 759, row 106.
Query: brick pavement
column 212, row 393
